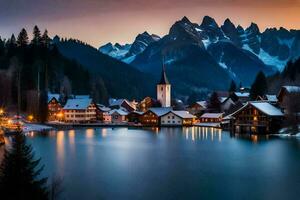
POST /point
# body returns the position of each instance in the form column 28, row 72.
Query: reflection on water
column 169, row 163
column 202, row 133
column 60, row 146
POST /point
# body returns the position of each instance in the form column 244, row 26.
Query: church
column 163, row 90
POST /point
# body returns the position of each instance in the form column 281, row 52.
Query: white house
column 177, row 118
column 79, row 110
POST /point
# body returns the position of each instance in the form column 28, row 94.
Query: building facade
column 80, row 111
column 257, row 117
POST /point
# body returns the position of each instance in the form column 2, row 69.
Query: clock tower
column 163, row 90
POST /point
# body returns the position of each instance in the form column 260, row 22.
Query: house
column 134, row 116
column 226, row 104
column 269, row 98
column 118, row 115
column 284, row 94
column 242, row 96
column 197, row 108
column 211, row 117
column 122, row 103
column 147, row 103
column 54, row 107
column 257, row 117
column 80, row 111
column 153, row 115
column 177, row 118
column 103, row 113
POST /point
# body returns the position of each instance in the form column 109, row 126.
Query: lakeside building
column 152, row 117
column 118, row 116
column 103, row 113
column 257, row 117
column 54, row 107
column 177, row 118
column 80, row 111
column 211, row 118
column 134, row 117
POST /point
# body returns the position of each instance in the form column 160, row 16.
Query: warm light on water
column 169, row 163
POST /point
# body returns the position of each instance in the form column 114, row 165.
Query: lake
column 169, row 163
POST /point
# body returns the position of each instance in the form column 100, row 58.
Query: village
column 237, row 112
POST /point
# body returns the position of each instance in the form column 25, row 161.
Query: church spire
column 163, row 80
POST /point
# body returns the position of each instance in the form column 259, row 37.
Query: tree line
column 29, row 69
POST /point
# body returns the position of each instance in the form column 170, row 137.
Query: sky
column 100, row 21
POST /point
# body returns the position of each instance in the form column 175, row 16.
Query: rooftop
column 183, row 114
column 77, row 104
column 211, row 115
column 160, row 111
column 267, row 108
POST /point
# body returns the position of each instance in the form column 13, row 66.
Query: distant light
column 30, row 117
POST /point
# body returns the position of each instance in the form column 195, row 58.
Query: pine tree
column 36, row 40
column 45, row 39
column 19, row 173
column 23, row 38
column 259, row 86
column 214, row 104
column 232, row 87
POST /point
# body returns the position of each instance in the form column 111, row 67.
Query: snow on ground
column 35, row 127
column 267, row 58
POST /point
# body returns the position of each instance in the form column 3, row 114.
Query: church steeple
column 163, row 80
column 163, row 89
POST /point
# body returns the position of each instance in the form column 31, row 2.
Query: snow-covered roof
column 211, row 115
column 242, row 94
column 118, row 102
column 51, row 96
column 118, row 111
column 81, row 96
column 160, row 111
column 292, row 88
column 202, row 103
column 77, row 104
column 267, row 108
column 103, row 108
column 183, row 114
column 222, row 99
column 272, row 98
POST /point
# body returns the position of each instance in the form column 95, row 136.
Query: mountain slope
column 121, row 80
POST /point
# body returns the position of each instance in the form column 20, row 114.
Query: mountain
column 117, row 51
column 127, row 52
column 120, row 79
column 193, row 53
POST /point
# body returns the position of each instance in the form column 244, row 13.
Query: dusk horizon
column 97, row 23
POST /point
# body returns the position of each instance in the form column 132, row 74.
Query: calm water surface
column 169, row 163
